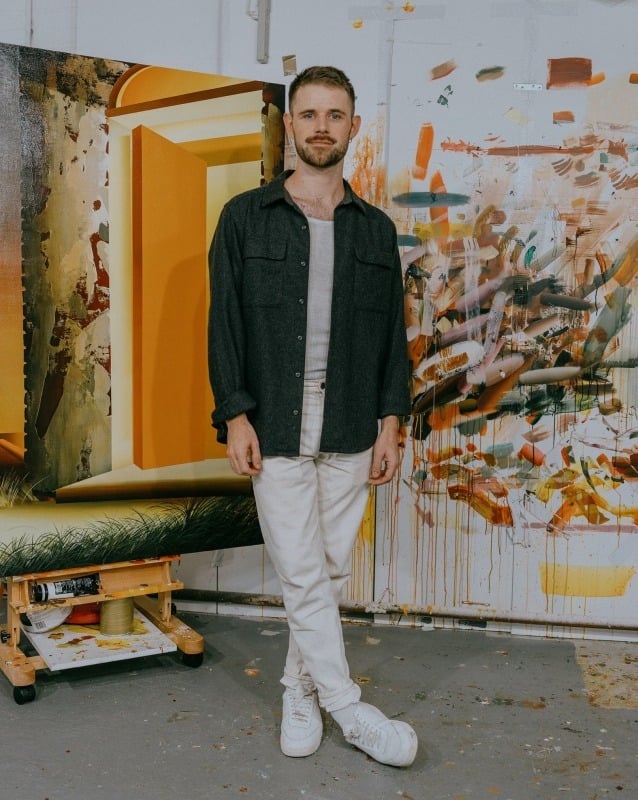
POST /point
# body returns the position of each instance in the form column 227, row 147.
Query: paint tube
column 69, row 587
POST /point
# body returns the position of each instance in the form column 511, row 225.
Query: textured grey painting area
column 64, row 195
column 9, row 157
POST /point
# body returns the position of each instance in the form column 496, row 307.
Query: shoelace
column 368, row 734
column 301, row 707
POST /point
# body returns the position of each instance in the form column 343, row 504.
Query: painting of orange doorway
column 117, row 212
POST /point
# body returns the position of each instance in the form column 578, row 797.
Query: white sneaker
column 385, row 740
column 301, row 723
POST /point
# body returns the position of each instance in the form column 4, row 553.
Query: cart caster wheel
column 193, row 660
column 23, row 694
column 4, row 636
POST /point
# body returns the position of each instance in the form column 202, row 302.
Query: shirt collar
column 274, row 192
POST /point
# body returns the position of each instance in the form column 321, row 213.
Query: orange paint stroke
column 568, row 72
column 531, row 453
column 450, row 415
column 417, row 348
column 423, row 151
column 483, row 504
column 368, row 176
column 582, row 505
column 488, row 401
column 517, row 150
column 439, row 214
column 460, row 147
column 603, row 260
column 442, row 70
column 599, row 77
column 442, row 419
column 539, row 150
column 561, row 117
column 633, row 77
column 629, row 264
column 436, row 456
column 558, row 482
column 618, row 148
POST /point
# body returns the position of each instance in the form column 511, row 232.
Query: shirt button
column 297, row 374
column 302, row 263
column 301, row 301
column 299, row 338
column 295, row 412
column 304, row 227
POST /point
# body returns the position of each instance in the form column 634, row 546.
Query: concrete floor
column 499, row 717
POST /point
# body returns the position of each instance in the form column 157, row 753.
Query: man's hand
column 385, row 453
column 243, row 446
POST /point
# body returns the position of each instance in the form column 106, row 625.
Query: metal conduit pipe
column 346, row 607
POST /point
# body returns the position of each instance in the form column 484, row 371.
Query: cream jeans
column 310, row 509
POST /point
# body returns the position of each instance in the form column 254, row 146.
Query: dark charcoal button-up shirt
column 259, row 261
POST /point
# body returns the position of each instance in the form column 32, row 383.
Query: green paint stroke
column 490, row 73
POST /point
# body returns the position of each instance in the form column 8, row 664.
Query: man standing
column 309, row 369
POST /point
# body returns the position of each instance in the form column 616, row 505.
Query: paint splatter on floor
column 610, row 673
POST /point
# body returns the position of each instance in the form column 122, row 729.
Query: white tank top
column 321, row 272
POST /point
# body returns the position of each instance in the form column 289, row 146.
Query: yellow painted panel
column 582, row 581
column 227, row 149
column 171, row 415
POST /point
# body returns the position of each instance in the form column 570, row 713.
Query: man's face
column 321, row 123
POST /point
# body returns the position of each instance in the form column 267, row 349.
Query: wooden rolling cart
column 156, row 629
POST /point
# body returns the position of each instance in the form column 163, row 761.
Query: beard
column 324, row 158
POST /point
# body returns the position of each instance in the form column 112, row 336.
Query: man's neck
column 316, row 192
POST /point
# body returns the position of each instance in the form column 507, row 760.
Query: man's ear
column 288, row 126
column 354, row 128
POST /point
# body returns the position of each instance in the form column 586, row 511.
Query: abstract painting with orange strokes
column 520, row 317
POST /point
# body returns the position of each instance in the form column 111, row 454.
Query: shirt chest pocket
column 373, row 279
column 263, row 278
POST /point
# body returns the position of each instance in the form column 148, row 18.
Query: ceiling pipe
column 29, row 23
column 263, row 30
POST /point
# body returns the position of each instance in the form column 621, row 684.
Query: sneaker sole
column 294, row 752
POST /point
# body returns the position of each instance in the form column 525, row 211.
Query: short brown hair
column 330, row 76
